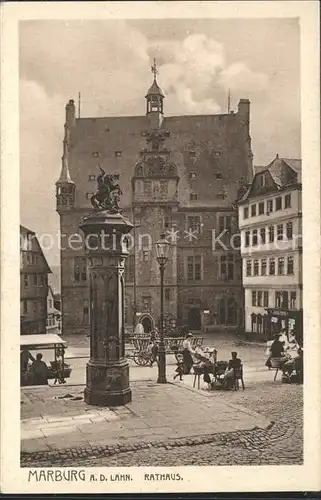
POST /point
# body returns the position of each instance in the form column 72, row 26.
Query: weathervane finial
column 154, row 69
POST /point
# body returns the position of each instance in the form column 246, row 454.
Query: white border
column 196, row 479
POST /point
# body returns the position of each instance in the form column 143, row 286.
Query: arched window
column 139, row 170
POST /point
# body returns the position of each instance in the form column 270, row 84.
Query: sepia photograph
column 161, row 245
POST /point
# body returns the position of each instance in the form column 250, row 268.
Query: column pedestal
column 107, row 384
column 107, row 373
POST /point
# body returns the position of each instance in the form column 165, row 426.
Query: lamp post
column 162, row 249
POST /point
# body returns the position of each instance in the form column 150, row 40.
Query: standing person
column 180, row 367
column 153, row 347
column 187, row 354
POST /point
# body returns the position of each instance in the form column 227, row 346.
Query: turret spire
column 154, row 100
column 65, row 186
column 64, row 174
column 154, row 69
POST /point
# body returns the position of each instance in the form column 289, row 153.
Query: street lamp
column 162, row 249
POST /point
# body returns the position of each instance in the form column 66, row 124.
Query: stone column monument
column 105, row 229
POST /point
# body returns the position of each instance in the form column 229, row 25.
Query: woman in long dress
column 187, row 354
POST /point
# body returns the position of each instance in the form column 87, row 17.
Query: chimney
column 70, row 113
column 244, row 110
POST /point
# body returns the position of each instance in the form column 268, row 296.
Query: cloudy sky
column 109, row 63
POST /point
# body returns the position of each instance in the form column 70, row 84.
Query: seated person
column 209, row 366
column 39, row 371
column 276, row 350
column 25, row 355
column 298, row 365
column 233, row 364
column 292, row 346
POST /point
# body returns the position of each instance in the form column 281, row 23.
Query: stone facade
column 53, row 314
column 177, row 173
column 270, row 219
column 34, row 272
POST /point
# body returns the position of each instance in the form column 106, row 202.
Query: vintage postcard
column 160, row 270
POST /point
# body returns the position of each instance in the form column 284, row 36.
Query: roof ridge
column 26, row 229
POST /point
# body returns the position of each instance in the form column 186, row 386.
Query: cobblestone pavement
column 279, row 444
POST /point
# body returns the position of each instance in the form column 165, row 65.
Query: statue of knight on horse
column 108, row 193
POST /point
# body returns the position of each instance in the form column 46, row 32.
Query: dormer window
column 193, row 196
column 96, row 154
column 219, row 175
column 118, row 154
column 192, row 154
column 261, row 180
column 92, row 177
column 192, row 175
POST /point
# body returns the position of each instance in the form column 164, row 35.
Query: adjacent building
column 178, row 174
column 270, row 222
column 53, row 314
column 34, row 272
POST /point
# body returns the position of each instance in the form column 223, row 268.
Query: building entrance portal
column 148, row 323
column 194, row 319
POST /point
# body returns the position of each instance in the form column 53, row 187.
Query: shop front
column 266, row 325
column 280, row 319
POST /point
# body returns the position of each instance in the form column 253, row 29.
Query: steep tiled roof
column 34, row 244
column 283, row 172
column 296, row 165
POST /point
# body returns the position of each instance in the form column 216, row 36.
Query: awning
column 45, row 341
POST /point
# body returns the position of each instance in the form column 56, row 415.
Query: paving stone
column 32, row 446
column 98, row 418
column 86, row 416
column 57, row 431
column 112, row 418
column 31, row 434
column 277, row 444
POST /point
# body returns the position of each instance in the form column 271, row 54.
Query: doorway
column 227, row 311
column 194, row 319
column 147, row 323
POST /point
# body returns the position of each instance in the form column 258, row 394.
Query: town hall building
column 180, row 175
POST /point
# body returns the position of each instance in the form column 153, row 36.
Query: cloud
column 188, row 77
column 109, row 63
column 240, row 77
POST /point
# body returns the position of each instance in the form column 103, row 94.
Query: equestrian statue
column 108, row 193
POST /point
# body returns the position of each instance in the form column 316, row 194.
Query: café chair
column 238, row 376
